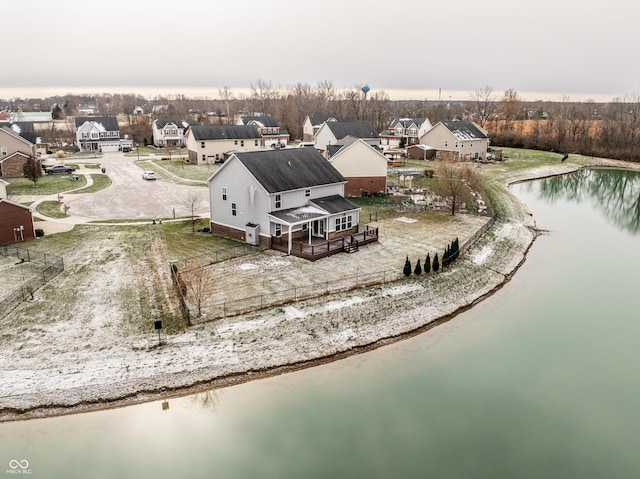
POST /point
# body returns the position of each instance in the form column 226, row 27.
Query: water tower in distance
column 365, row 89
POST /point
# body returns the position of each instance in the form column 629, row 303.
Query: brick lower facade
column 12, row 217
column 14, row 167
column 356, row 185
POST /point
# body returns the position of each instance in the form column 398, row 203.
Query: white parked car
column 149, row 175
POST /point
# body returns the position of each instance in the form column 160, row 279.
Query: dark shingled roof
column 224, row 132
column 25, row 130
column 334, row 204
column 109, row 122
column 465, row 130
column 184, row 124
column 357, row 129
column 266, row 120
column 406, row 122
column 290, row 169
column 320, row 119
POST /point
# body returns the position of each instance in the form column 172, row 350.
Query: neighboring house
column 291, row 200
column 405, row 132
column 98, row 134
column 170, row 133
column 3, row 189
column 465, row 138
column 364, row 168
column 312, row 124
column 214, row 144
column 16, row 222
column 41, row 146
column 270, row 133
column 421, row 152
column 14, row 152
column 344, row 133
column 31, row 116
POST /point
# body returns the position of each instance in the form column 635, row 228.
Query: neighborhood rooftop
column 108, row 123
column 357, row 129
column 285, row 170
column 465, row 130
column 224, row 132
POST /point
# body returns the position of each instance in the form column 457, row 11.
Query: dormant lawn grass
column 46, row 185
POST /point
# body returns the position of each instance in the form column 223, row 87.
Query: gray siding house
column 291, row 200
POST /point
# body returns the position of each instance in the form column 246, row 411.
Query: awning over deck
column 316, row 209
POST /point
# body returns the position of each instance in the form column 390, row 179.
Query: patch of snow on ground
column 505, row 231
column 482, row 255
column 404, row 219
column 402, row 289
column 291, row 312
column 333, row 305
column 247, row 266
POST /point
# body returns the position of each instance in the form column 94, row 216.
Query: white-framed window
column 204, row 158
column 307, row 193
column 256, row 143
column 235, row 142
column 278, row 201
column 278, row 229
column 234, row 209
column 202, row 144
column 343, row 223
column 224, row 193
column 3, row 150
column 241, row 142
column 446, row 143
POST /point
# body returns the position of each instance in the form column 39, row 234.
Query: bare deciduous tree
column 192, row 203
column 197, row 281
column 455, row 181
column 482, row 105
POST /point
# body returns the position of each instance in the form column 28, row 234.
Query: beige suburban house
column 271, row 135
column 364, row 168
column 404, row 132
column 15, row 150
column 214, row 144
column 344, row 133
column 466, row 139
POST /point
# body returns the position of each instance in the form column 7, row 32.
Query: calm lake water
column 538, row 381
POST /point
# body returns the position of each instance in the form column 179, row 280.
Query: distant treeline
column 599, row 129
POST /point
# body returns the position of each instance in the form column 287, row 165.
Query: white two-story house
column 98, row 134
column 291, row 200
column 214, row 144
column 170, row 133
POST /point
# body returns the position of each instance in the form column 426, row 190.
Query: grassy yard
column 47, row 185
column 178, row 171
column 100, row 182
column 52, row 209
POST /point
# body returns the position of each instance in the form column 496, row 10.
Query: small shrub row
column 451, row 253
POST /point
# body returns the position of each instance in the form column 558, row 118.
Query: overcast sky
column 543, row 49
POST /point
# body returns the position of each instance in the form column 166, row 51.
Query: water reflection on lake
column 539, row 380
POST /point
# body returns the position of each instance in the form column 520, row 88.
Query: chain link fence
column 49, row 266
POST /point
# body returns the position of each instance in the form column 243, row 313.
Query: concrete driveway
column 132, row 198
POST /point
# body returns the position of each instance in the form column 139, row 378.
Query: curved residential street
column 128, row 198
